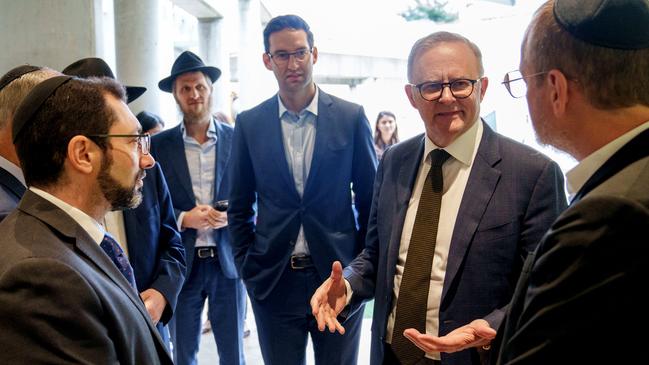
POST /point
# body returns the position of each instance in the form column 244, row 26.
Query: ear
column 267, row 62
column 83, row 154
column 314, row 55
column 410, row 93
column 484, row 83
column 558, row 89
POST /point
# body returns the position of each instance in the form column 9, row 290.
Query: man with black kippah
column 148, row 232
column 68, row 293
column 580, row 299
column 14, row 85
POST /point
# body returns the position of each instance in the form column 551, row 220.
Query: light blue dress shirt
column 298, row 134
column 201, row 160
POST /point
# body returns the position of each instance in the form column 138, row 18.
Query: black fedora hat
column 187, row 62
column 96, row 67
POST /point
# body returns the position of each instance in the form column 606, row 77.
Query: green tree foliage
column 432, row 10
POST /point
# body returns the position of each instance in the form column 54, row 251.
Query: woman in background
column 385, row 132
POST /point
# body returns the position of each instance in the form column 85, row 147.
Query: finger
column 336, row 271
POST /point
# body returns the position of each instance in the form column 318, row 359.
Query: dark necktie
column 412, row 302
column 116, row 254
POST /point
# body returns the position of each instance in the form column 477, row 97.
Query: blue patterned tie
column 116, row 254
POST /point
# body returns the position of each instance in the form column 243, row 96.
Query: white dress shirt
column 577, row 177
column 86, row 222
column 456, row 172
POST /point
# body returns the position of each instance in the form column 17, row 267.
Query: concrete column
column 255, row 82
column 214, row 48
column 144, row 48
column 49, row 33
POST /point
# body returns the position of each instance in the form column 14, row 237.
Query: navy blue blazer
column 11, row 190
column 343, row 157
column 168, row 149
column 513, row 195
column 154, row 246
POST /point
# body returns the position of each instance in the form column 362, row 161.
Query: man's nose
column 447, row 95
column 146, row 161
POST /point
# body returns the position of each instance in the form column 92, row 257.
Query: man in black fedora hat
column 194, row 156
column 14, row 86
column 148, row 233
column 580, row 299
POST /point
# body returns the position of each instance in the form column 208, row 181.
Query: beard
column 192, row 116
column 120, row 197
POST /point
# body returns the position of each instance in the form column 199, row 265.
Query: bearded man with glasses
column 454, row 213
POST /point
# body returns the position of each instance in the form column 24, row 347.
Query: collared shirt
column 13, row 169
column 577, row 177
column 201, row 160
column 456, row 172
column 89, row 224
column 114, row 224
column 298, row 135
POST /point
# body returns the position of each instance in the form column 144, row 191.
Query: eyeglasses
column 143, row 140
column 432, row 91
column 514, row 83
column 282, row 57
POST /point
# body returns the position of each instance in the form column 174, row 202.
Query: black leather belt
column 299, row 262
column 205, row 252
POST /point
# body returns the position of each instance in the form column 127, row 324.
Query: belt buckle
column 205, row 252
column 294, row 266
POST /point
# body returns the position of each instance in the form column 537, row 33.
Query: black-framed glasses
column 143, row 140
column 282, row 57
column 432, row 91
column 515, row 84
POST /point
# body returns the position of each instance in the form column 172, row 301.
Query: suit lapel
column 480, row 187
column 223, row 142
column 75, row 235
column 325, row 130
column 408, row 168
column 275, row 146
column 13, row 184
column 175, row 151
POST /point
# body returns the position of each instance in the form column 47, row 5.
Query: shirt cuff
column 180, row 221
column 348, row 288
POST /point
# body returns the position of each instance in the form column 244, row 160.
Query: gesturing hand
column 474, row 334
column 329, row 300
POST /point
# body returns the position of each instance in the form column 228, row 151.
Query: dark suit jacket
column 154, row 246
column 62, row 300
column 168, row 149
column 512, row 196
column 343, row 155
column 11, row 190
column 580, row 298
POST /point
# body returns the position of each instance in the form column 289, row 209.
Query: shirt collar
column 211, row 129
column 464, row 147
column 86, row 222
column 577, row 177
column 312, row 107
column 13, row 169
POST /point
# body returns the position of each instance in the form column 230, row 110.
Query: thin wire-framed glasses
column 282, row 57
column 432, row 91
column 515, row 83
column 143, row 140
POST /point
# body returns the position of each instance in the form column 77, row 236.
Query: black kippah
column 621, row 24
column 33, row 102
column 15, row 73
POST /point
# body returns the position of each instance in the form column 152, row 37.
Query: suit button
column 292, row 243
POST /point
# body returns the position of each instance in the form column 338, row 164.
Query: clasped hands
column 331, row 298
column 204, row 216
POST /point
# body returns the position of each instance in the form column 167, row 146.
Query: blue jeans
column 226, row 312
